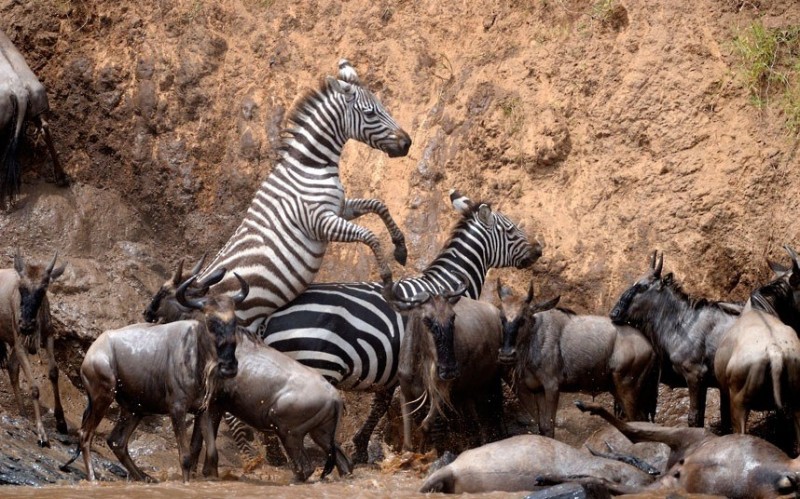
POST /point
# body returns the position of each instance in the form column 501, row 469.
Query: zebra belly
column 348, row 333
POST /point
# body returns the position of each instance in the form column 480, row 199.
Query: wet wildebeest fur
column 684, row 331
column 758, row 360
column 735, row 466
column 272, row 392
column 170, row 369
column 525, row 462
column 555, row 350
column 22, row 98
column 447, row 359
column 25, row 326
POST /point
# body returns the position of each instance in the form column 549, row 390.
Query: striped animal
column 350, row 334
column 301, row 206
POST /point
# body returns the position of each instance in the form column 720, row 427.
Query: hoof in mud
column 44, row 443
column 61, row 427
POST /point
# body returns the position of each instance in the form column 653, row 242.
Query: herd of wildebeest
column 455, row 350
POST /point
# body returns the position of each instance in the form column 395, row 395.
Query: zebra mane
column 307, row 102
column 465, row 220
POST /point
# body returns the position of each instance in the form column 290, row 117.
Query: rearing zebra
column 350, row 334
column 301, row 206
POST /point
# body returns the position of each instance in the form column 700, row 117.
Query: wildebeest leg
column 380, row 405
column 407, row 415
column 697, row 401
column 293, row 444
column 324, row 435
column 492, row 412
column 34, row 387
column 547, row 414
column 354, row 208
column 118, row 442
column 59, row 177
column 210, row 464
column 725, row 410
column 99, row 401
column 739, row 412
column 676, row 438
column 13, row 375
column 52, row 375
column 178, row 416
column 530, row 402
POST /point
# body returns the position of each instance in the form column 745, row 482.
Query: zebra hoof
column 401, row 254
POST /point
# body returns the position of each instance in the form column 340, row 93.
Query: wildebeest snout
column 448, row 372
column 27, row 326
column 507, row 356
column 228, row 368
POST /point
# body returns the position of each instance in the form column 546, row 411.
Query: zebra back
column 351, row 335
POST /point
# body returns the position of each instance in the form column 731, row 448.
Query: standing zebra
column 301, row 206
column 351, row 335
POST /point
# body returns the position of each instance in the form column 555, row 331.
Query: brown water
column 365, row 483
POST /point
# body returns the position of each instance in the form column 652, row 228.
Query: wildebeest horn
column 52, row 265
column 199, row 265
column 791, row 252
column 180, row 295
column 178, row 275
column 529, row 298
column 19, row 263
column 460, row 290
column 241, row 295
column 657, row 263
column 214, row 278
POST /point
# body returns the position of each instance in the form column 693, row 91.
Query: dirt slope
column 610, row 128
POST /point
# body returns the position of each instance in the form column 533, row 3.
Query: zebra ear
column 347, row 72
column 485, row 215
column 342, row 87
column 461, row 203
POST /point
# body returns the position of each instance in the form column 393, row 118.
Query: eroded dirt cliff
column 610, row 128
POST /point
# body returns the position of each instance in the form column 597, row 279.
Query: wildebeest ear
column 485, row 215
column 348, row 73
column 460, row 202
column 668, row 279
column 545, row 306
column 177, row 277
column 778, row 268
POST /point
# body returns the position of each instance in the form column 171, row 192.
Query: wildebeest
column 25, row 325
column 758, row 360
column 447, row 359
column 22, row 97
column 163, row 306
column 735, row 466
column 170, row 369
column 272, row 392
column 525, row 462
column 555, row 350
column 684, row 331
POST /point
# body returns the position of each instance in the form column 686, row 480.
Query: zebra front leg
column 330, row 227
column 380, row 405
column 354, row 208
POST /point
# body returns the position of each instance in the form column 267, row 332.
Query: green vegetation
column 769, row 63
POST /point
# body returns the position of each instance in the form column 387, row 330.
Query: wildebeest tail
column 3, row 354
column 331, row 461
column 10, row 174
column 776, row 369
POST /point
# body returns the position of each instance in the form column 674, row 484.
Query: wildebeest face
column 366, row 120
column 33, row 283
column 517, row 314
column 440, row 321
column 222, row 325
column 632, row 304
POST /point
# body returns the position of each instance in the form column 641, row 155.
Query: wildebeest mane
column 777, row 298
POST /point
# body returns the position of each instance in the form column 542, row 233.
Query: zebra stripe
column 349, row 333
column 301, row 206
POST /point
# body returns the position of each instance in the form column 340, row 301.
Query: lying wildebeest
column 25, row 325
column 272, row 392
column 735, row 466
column 758, row 360
column 170, row 369
column 608, row 441
column 555, row 350
column 684, row 331
column 525, row 462
column 447, row 359
column 22, row 97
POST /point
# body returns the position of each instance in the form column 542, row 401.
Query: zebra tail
column 10, row 174
column 65, row 467
column 331, row 462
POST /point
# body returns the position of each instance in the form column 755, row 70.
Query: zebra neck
column 441, row 275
